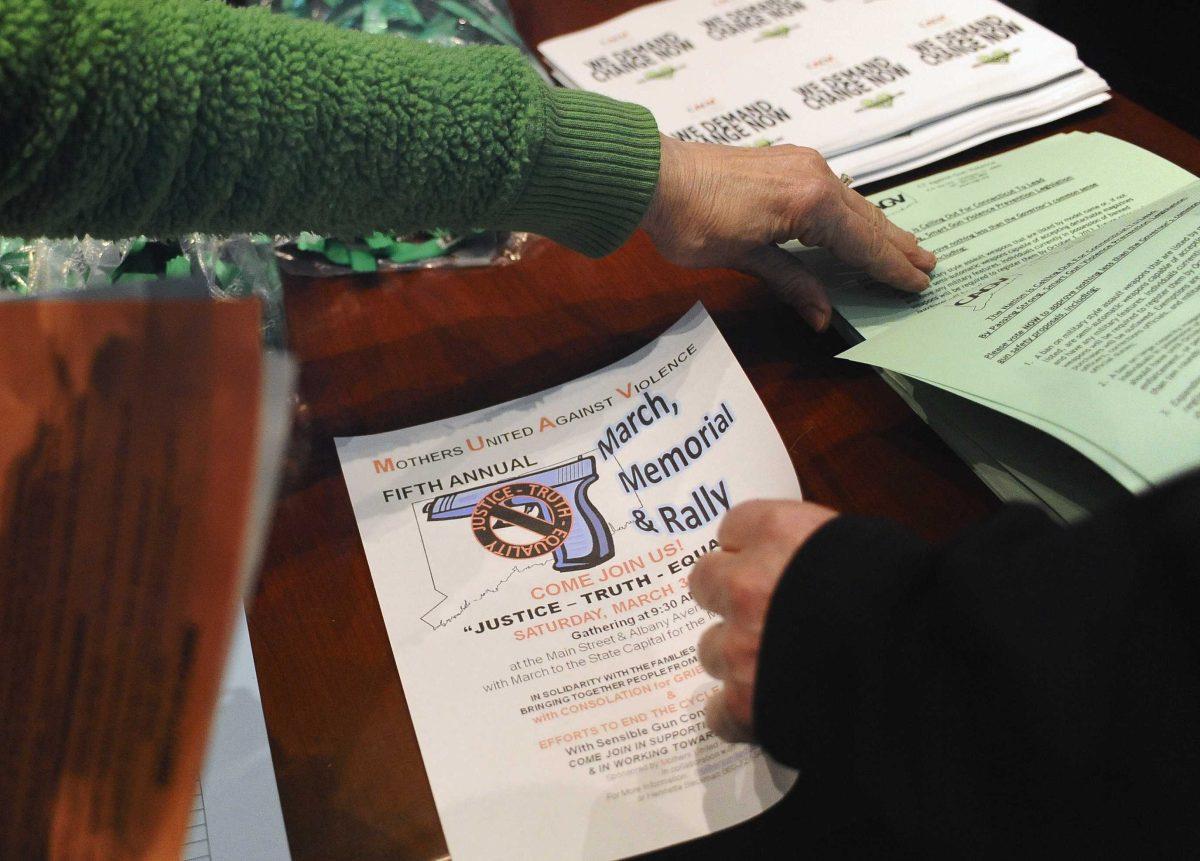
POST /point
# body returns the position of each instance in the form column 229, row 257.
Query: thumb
column 788, row 279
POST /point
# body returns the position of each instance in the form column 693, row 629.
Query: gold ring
column 846, row 179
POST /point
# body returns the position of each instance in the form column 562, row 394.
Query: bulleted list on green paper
column 985, row 220
column 1096, row 342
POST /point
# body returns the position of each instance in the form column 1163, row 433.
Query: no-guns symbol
column 536, row 513
column 536, row 519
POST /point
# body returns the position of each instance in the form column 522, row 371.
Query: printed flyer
column 531, row 563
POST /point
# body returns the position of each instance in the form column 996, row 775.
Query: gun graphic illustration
column 588, row 542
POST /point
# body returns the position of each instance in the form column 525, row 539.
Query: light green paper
column 1097, row 343
column 1118, row 469
column 998, row 213
column 1013, row 457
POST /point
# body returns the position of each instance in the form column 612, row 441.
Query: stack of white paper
column 877, row 87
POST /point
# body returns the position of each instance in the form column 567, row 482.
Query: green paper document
column 1096, row 343
column 1057, row 348
column 1003, row 212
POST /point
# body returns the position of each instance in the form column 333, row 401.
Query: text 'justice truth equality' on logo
column 531, row 515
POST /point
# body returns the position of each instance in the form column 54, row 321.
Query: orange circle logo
column 534, row 518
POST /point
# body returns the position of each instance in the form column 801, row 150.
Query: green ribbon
column 366, row 253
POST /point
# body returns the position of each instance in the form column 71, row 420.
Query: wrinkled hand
column 758, row 540
column 729, row 206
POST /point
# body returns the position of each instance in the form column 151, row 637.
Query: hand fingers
column 729, row 654
column 756, row 522
column 904, row 240
column 836, row 219
column 863, row 242
column 770, row 531
column 708, row 582
column 788, row 278
column 710, row 650
column 729, row 714
column 737, row 587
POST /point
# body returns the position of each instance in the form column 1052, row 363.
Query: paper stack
column 1056, row 347
column 877, row 87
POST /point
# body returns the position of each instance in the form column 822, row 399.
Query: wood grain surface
column 388, row 351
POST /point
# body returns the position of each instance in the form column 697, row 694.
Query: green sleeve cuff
column 593, row 175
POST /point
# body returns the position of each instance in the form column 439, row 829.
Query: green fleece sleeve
column 164, row 117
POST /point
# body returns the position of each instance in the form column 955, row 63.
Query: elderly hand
column 730, row 206
column 758, row 540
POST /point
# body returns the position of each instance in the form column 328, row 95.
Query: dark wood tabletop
column 389, row 351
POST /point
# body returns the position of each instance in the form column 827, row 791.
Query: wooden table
column 386, row 352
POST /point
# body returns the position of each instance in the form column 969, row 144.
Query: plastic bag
column 310, row 254
column 231, row 267
column 443, row 22
column 14, row 265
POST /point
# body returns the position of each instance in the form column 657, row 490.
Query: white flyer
column 531, row 564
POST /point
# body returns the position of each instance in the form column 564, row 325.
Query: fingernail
column 928, row 259
column 815, row 316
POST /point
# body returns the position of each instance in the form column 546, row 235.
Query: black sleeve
column 1024, row 688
